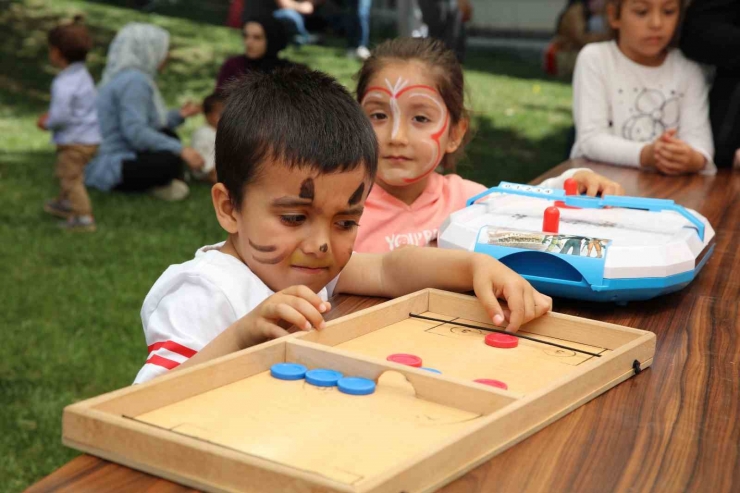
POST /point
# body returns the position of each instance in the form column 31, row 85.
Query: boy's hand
column 492, row 279
column 41, row 122
column 593, row 183
column 674, row 156
column 190, row 109
column 296, row 305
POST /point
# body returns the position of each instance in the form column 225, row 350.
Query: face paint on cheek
column 435, row 137
column 262, row 248
column 266, row 249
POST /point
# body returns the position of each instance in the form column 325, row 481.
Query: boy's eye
column 292, row 219
column 421, row 119
column 347, row 225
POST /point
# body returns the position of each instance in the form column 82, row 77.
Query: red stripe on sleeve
column 160, row 361
column 174, row 347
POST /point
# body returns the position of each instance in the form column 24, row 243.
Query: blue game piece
column 356, row 386
column 430, row 369
column 288, row 371
column 322, row 377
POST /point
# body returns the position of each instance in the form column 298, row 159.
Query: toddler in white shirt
column 204, row 138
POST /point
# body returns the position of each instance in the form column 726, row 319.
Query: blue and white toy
column 605, row 249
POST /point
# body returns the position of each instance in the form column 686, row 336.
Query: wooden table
column 674, row 427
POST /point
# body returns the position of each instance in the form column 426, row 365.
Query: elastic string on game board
column 414, row 315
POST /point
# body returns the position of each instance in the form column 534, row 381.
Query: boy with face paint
column 412, row 90
column 295, row 159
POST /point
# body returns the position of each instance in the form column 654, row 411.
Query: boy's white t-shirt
column 193, row 302
column 619, row 106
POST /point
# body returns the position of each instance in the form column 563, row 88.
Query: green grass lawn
column 69, row 304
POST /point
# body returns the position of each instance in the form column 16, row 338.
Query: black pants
column 444, row 20
column 151, row 169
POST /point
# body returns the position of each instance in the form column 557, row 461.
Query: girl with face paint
column 413, row 92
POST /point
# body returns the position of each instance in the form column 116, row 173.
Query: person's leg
column 71, row 172
column 150, row 170
column 293, row 19
column 358, row 21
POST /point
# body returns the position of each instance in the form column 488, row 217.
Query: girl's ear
column 225, row 211
column 457, row 134
column 613, row 16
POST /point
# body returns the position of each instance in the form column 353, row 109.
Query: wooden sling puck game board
column 429, row 391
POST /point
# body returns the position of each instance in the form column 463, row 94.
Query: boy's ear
column 457, row 134
column 612, row 16
column 225, row 211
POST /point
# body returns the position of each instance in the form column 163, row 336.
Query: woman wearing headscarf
column 264, row 38
column 139, row 151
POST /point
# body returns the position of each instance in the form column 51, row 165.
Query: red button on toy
column 405, row 359
column 493, row 383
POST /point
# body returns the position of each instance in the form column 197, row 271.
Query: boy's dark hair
column 294, row 116
column 73, row 40
column 210, row 102
column 441, row 62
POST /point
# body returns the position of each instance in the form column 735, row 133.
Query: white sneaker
column 362, row 53
column 172, row 192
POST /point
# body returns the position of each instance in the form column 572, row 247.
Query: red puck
column 405, row 359
column 493, row 383
column 502, row 341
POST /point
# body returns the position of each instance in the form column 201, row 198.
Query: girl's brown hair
column 444, row 66
column 617, row 6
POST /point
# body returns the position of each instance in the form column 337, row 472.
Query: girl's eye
column 378, row 116
column 641, row 13
column 347, row 225
column 669, row 12
column 421, row 119
column 293, row 219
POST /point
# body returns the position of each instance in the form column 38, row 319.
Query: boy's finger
column 306, row 309
column 307, row 294
column 542, row 303
column 271, row 331
column 283, row 311
column 529, row 308
column 490, row 303
column 593, row 189
column 516, row 304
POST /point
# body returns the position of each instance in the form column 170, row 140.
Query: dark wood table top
column 675, row 427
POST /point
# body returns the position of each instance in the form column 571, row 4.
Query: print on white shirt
column 653, row 114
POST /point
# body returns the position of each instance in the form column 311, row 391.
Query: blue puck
column 322, row 377
column 356, row 386
column 288, row 371
column 430, row 369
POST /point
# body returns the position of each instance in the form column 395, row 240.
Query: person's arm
column 302, row 7
column 135, row 99
column 410, row 269
column 694, row 127
column 174, row 119
column 711, row 33
column 60, row 110
column 591, row 114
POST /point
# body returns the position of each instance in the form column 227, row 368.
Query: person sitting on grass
column 73, row 119
column 204, row 138
column 296, row 158
column 140, row 151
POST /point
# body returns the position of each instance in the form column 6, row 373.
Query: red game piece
column 502, row 341
column 551, row 220
column 570, row 186
column 405, row 359
column 493, row 383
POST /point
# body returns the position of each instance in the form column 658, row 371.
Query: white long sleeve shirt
column 619, row 106
column 73, row 116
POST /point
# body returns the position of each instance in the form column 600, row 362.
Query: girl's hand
column 593, row 183
column 192, row 158
column 296, row 305
column 190, row 109
column 492, row 280
column 673, row 156
column 41, row 122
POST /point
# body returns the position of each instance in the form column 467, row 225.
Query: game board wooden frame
column 103, row 426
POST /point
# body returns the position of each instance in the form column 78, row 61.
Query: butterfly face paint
column 411, row 122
